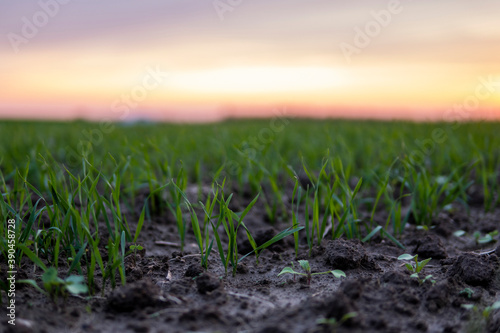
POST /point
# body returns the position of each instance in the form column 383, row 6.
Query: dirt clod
column 347, row 254
column 134, row 296
column 474, row 270
column 430, row 246
column 339, row 306
column 194, row 270
column 437, row 297
column 207, row 283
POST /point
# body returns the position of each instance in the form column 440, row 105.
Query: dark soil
column 168, row 291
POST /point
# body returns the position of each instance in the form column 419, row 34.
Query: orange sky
column 376, row 59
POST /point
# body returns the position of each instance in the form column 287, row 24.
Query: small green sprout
column 54, row 286
column 135, row 248
column 416, row 268
column 488, row 238
column 333, row 323
column 307, row 269
column 467, row 291
column 486, row 311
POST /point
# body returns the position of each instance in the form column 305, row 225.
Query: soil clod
column 348, row 254
column 134, row 296
column 429, row 246
column 207, row 283
column 474, row 270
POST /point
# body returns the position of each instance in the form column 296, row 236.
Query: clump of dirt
column 475, row 270
column 133, row 296
column 348, row 254
column 398, row 278
column 437, row 297
column 430, row 246
column 206, row 283
column 138, row 267
column 338, row 306
column 194, row 270
column 210, row 314
column 180, row 287
column 352, row 288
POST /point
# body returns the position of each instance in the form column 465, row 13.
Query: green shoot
column 304, row 264
column 416, row 268
column 54, row 287
column 333, row 323
column 488, row 238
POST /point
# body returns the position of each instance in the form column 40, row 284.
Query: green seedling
column 333, row 323
column 307, row 269
column 488, row 238
column 431, row 195
column 54, row 286
column 467, row 291
column 486, row 311
column 135, row 248
column 417, row 267
column 479, row 317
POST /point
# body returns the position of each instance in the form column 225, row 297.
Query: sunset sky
column 205, row 60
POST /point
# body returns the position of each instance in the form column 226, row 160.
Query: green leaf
column 406, row 257
column 34, row 284
column 78, row 256
column 486, row 239
column 32, row 256
column 338, row 273
column 245, row 212
column 459, row 233
column 371, row 234
column 427, row 277
column 50, row 277
column 410, row 267
column 422, row 264
column 249, row 236
column 289, row 270
column 277, row 238
column 348, row 316
column 391, row 237
column 75, row 285
column 140, row 223
column 305, row 265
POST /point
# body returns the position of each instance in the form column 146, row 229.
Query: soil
column 168, row 291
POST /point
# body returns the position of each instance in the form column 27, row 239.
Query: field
column 144, row 227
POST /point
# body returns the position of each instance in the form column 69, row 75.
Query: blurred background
column 195, row 61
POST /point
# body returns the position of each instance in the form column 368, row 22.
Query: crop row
column 79, row 195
